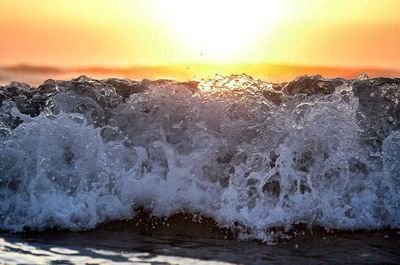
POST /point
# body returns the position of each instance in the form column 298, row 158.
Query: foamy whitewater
column 250, row 154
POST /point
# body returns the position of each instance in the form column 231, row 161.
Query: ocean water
column 123, row 246
column 266, row 162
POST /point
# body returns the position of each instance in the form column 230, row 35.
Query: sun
column 218, row 30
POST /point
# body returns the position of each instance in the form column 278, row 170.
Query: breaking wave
column 250, row 154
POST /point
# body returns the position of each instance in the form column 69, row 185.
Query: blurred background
column 189, row 39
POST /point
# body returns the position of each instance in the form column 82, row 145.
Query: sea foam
column 250, row 154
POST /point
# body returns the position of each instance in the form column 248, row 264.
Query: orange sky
column 159, row 32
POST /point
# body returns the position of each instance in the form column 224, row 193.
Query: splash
column 250, row 154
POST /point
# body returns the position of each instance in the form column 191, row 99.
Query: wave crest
column 250, row 154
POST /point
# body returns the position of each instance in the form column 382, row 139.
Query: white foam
column 235, row 158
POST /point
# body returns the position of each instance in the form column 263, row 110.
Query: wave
column 249, row 154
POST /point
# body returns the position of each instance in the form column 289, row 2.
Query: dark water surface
column 192, row 243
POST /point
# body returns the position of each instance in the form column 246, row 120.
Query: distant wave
column 250, row 154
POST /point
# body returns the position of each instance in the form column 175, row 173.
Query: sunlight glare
column 219, row 31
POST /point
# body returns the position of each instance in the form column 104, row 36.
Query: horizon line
column 148, row 66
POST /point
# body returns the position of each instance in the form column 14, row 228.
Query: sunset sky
column 161, row 32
